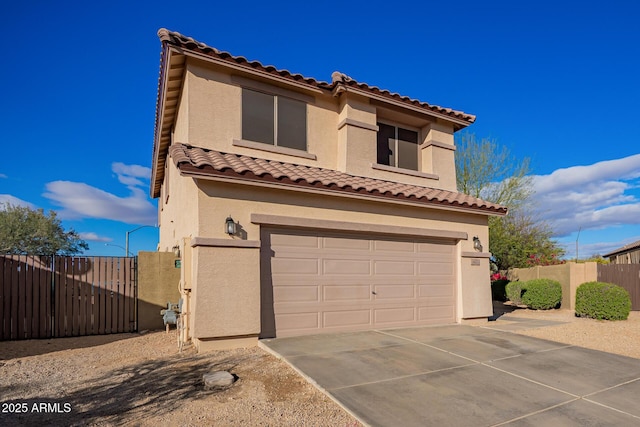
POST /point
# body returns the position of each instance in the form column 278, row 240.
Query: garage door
column 318, row 281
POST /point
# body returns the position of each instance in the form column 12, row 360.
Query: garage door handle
column 374, row 292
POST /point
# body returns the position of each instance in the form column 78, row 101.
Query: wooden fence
column 45, row 297
column 625, row 275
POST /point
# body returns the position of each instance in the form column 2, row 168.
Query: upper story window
column 273, row 119
column 397, row 147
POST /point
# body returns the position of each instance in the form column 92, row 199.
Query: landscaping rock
column 218, row 380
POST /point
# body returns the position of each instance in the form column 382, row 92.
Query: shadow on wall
column 158, row 284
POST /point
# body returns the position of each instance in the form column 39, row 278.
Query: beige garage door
column 316, row 282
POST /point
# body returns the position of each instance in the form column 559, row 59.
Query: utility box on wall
column 158, row 281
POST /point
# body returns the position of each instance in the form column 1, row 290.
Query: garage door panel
column 349, row 293
column 342, row 318
column 296, row 293
column 346, row 244
column 324, row 282
column 436, row 248
column 435, row 290
column 436, row 315
column 440, row 301
column 438, row 258
column 395, row 291
column 434, row 268
column 294, row 266
column 394, row 315
column 382, row 246
column 393, row 268
column 287, row 321
column 346, row 266
column 294, row 240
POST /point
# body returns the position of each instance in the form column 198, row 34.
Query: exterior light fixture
column 176, row 251
column 477, row 245
column 230, row 227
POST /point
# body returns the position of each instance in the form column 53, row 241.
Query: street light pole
column 126, row 240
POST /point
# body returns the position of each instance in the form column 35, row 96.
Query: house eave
column 212, row 176
column 342, row 88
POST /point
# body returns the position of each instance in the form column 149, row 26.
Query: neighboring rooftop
column 200, row 162
column 626, row 248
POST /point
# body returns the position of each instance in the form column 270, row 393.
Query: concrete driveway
column 460, row 375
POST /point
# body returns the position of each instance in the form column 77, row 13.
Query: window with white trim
column 397, row 146
column 274, row 120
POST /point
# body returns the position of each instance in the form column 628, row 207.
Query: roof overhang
column 386, row 100
column 176, row 49
column 193, row 172
column 170, row 85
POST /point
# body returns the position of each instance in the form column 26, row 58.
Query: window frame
column 275, row 119
column 397, row 126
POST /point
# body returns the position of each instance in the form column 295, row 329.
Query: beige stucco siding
column 214, row 106
column 219, row 200
column 225, row 297
column 341, row 132
column 178, row 209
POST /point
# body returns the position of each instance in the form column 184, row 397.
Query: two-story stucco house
column 300, row 206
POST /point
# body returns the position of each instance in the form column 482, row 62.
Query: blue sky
column 550, row 81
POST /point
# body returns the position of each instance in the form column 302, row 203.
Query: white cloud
column 3, row 175
column 14, row 201
column 80, row 200
column 590, row 197
column 94, row 237
column 129, row 174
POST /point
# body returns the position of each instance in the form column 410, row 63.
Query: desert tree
column 486, row 170
column 32, row 231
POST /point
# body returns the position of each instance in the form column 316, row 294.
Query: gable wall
column 341, row 131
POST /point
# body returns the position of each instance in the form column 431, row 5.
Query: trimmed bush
column 498, row 292
column 542, row 294
column 604, row 301
column 514, row 291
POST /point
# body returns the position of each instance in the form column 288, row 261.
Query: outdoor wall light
column 230, row 226
column 176, row 251
column 477, row 245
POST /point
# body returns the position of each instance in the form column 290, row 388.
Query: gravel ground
column 141, row 379
column 619, row 337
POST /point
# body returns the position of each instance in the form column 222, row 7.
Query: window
column 397, row 147
column 274, row 120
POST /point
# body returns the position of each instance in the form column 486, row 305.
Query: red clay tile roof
column 201, row 162
column 179, row 40
column 630, row 246
column 176, row 47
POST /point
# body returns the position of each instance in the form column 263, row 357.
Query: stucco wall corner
column 227, row 303
column 475, row 288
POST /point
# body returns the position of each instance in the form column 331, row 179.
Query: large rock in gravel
column 217, row 380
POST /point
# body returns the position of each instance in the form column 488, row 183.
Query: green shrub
column 600, row 300
column 498, row 292
column 514, row 291
column 542, row 294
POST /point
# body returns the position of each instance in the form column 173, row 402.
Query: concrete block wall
column 158, row 280
column 570, row 275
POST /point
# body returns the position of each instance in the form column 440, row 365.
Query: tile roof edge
column 176, row 38
column 628, row 247
column 480, row 205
